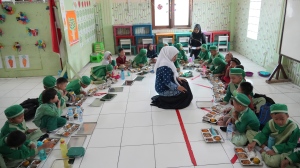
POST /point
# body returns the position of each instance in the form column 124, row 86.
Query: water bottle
column 229, row 131
column 63, row 148
column 122, row 75
column 71, row 115
column 193, row 57
column 42, row 153
column 79, row 112
column 128, row 73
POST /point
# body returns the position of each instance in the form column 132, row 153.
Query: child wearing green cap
column 77, row 84
column 140, row 60
column 213, row 54
column 245, row 121
column 47, row 116
column 278, row 138
column 100, row 73
column 293, row 160
column 204, row 54
column 218, row 68
column 15, row 121
column 15, row 148
column 181, row 57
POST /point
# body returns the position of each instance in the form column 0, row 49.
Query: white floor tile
column 16, row 93
column 138, row 106
column 27, row 85
column 3, row 91
column 88, row 110
column 106, row 138
column 139, row 88
column 293, row 109
column 121, row 97
column 111, row 121
column 137, row 136
column 192, row 116
column 167, row 134
column 281, row 98
column 164, row 117
column 194, row 131
column 287, row 87
column 294, row 96
column 11, row 85
column 8, row 101
column 139, row 96
column 111, row 108
column 216, row 166
column 138, row 119
column 266, row 89
column 34, row 93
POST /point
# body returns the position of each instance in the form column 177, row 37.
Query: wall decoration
column 1, row 63
column 10, row 62
column 17, row 46
column 24, row 61
column 41, row 44
column 32, row 32
column 22, row 18
column 1, row 32
column 1, row 46
column 72, row 27
column 8, row 9
column 2, row 18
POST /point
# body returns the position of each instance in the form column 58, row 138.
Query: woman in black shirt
column 196, row 40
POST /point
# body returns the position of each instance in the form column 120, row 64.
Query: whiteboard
column 290, row 45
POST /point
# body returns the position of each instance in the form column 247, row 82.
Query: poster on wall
column 72, row 27
column 10, row 62
column 24, row 61
column 1, row 64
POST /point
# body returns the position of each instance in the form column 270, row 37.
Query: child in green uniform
column 214, row 53
column 236, row 76
column 47, row 116
column 245, row 121
column 100, row 73
column 280, row 134
column 219, row 67
column 15, row 121
column 61, row 84
column 204, row 54
column 181, row 57
column 293, row 160
column 77, row 84
column 15, row 148
column 140, row 60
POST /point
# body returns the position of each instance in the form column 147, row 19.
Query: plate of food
column 211, row 135
column 247, row 158
column 68, row 129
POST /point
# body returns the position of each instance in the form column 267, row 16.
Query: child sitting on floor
column 293, row 160
column 181, row 57
column 228, row 59
column 278, row 138
column 121, row 60
column 140, row 60
column 151, row 53
column 15, row 148
column 204, row 54
column 99, row 74
column 61, row 84
column 218, row 68
column 214, row 54
column 47, row 116
column 245, row 121
column 237, row 76
column 77, row 84
column 15, row 121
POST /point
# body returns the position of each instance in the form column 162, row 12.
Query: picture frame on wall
column 10, row 62
column 24, row 61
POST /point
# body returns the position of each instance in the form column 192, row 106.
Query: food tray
column 108, row 97
column 244, row 157
column 29, row 163
column 68, row 129
column 60, row 163
column 97, row 103
column 87, row 128
column 53, row 140
column 142, row 73
column 115, row 89
column 77, row 102
column 203, row 104
column 209, row 137
column 91, row 92
column 139, row 78
column 128, row 83
column 212, row 117
column 76, row 141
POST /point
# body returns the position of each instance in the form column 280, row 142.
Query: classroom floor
column 132, row 134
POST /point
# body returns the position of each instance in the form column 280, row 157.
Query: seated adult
column 173, row 92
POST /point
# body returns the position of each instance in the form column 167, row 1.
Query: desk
column 157, row 35
column 220, row 32
column 209, row 34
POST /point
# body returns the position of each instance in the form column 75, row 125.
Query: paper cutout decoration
column 1, row 64
column 8, row 9
column 32, row 32
column 22, row 18
column 10, row 62
column 17, row 46
column 41, row 44
column 72, row 27
column 1, row 46
column 2, row 18
column 24, row 61
column 1, row 32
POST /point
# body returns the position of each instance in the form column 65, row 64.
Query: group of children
column 17, row 141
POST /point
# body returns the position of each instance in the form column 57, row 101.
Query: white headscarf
column 164, row 59
column 106, row 60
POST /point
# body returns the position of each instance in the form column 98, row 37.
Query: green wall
column 41, row 62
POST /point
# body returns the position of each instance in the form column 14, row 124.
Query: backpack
column 268, row 99
column 30, row 106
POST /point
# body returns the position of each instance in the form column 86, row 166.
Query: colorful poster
column 72, row 27
column 24, row 61
column 1, row 64
column 10, row 62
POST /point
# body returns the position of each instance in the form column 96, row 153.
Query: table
column 220, row 32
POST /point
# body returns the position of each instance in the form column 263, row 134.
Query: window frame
column 172, row 18
column 252, row 23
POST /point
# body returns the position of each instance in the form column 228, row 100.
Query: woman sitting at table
column 174, row 92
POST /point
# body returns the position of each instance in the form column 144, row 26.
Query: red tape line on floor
column 206, row 109
column 234, row 159
column 186, row 139
column 203, row 86
column 195, row 77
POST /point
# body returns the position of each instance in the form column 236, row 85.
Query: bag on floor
column 268, row 99
column 264, row 115
column 30, row 106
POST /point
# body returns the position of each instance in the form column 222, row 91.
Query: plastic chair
column 167, row 40
column 146, row 42
column 126, row 42
column 185, row 40
column 223, row 42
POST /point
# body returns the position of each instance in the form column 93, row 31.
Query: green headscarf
column 178, row 46
column 99, row 72
column 141, row 57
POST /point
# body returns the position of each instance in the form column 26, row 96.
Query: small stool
column 96, row 58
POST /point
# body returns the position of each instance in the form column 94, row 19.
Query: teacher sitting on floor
column 174, row 92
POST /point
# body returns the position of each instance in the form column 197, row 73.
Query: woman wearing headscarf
column 151, row 53
column 196, row 40
column 99, row 73
column 140, row 60
column 108, row 59
column 173, row 92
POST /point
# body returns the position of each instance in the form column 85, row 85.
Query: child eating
column 77, row 84
column 47, row 116
column 140, row 60
column 280, row 134
column 181, row 57
column 15, row 148
column 232, row 64
column 218, row 67
column 100, row 73
column 204, row 54
column 121, row 60
column 15, row 121
column 245, row 121
column 214, row 54
column 151, row 53
column 61, row 84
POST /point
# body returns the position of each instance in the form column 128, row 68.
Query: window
column 171, row 13
column 253, row 19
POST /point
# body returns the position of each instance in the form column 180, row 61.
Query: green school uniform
column 176, row 63
column 62, row 101
column 231, row 91
column 98, row 73
column 48, row 116
column 294, row 158
column 140, row 59
column 218, row 66
column 212, row 57
column 74, row 86
column 204, row 56
column 10, row 127
column 246, row 126
column 286, row 138
column 181, row 56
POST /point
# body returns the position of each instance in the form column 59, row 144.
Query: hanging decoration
column 2, row 18
column 41, row 44
column 32, row 32
column 8, row 9
column 1, row 32
column 17, row 46
column 1, row 46
column 22, row 18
